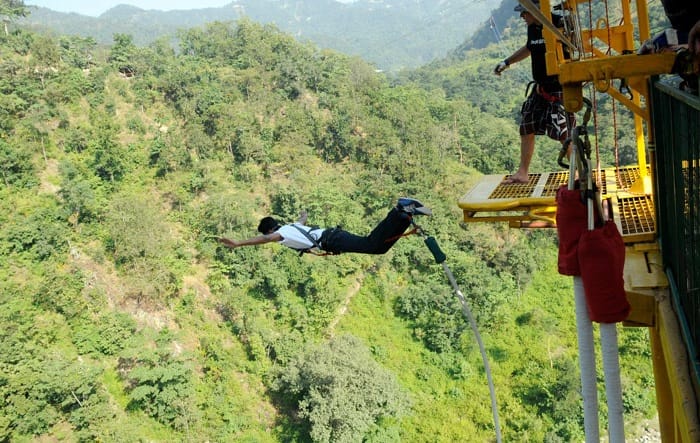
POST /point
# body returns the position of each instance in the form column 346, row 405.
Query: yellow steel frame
column 648, row 292
column 678, row 410
column 646, row 286
column 592, row 64
column 599, row 67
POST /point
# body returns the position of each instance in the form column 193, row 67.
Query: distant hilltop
column 392, row 34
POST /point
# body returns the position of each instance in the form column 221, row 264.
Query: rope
column 607, row 26
column 584, row 327
column 616, row 145
column 594, row 99
column 494, row 28
column 405, row 234
column 586, row 352
column 440, row 258
column 614, row 102
column 613, row 384
column 599, row 180
column 608, row 332
column 590, row 25
column 472, row 322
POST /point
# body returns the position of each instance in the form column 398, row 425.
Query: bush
column 108, row 335
column 340, row 390
column 159, row 385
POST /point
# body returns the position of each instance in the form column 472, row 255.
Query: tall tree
column 122, row 53
column 77, row 51
column 341, row 390
column 10, row 10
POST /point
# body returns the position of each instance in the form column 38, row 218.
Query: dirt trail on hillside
column 354, row 289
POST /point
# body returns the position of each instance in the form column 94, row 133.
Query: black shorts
column 540, row 116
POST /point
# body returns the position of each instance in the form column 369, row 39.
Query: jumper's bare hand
column 228, row 242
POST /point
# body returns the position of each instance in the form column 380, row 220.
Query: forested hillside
column 122, row 319
column 392, row 34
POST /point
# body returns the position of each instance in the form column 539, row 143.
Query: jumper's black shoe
column 413, row 207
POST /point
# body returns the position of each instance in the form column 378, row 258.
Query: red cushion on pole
column 601, row 254
column 572, row 220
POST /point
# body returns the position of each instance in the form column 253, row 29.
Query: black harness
column 313, row 241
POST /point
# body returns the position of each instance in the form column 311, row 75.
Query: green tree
column 44, row 58
column 107, row 335
column 12, row 9
column 79, row 193
column 77, row 51
column 44, row 387
column 41, row 233
column 136, row 228
column 62, row 292
column 15, row 165
column 158, row 384
column 340, row 390
column 141, row 245
column 122, row 53
column 109, row 157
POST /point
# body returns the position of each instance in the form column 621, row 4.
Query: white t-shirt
column 292, row 238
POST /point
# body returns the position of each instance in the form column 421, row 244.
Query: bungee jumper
column 333, row 241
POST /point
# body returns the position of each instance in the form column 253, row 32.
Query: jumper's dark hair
column 267, row 224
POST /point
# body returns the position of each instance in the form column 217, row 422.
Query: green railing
column 676, row 125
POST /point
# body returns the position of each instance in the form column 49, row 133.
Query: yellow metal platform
column 532, row 204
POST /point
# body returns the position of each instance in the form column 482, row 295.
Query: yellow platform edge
column 533, row 205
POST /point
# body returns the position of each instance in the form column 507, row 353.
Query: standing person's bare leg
column 527, row 149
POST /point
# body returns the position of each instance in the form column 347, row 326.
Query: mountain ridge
column 389, row 33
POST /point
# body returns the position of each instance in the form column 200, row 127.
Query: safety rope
column 618, row 176
column 594, row 99
column 616, row 146
column 494, row 28
column 580, row 159
column 594, row 96
column 607, row 26
column 590, row 25
column 415, row 230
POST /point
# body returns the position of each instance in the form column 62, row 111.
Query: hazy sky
column 97, row 7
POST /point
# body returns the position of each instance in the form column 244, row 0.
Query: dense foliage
column 121, row 319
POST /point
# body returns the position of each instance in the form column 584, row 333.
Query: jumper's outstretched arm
column 257, row 240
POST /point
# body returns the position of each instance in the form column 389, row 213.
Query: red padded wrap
column 601, row 254
column 572, row 220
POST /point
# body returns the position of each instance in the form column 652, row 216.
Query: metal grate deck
column 533, row 205
column 636, row 218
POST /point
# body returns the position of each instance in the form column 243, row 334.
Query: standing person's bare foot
column 516, row 179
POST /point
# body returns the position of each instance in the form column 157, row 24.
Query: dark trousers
column 380, row 240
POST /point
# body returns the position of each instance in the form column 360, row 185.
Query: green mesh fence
column 676, row 117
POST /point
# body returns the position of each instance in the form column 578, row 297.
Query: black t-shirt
column 682, row 14
column 535, row 43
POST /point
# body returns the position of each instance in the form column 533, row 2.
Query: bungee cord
column 440, row 258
